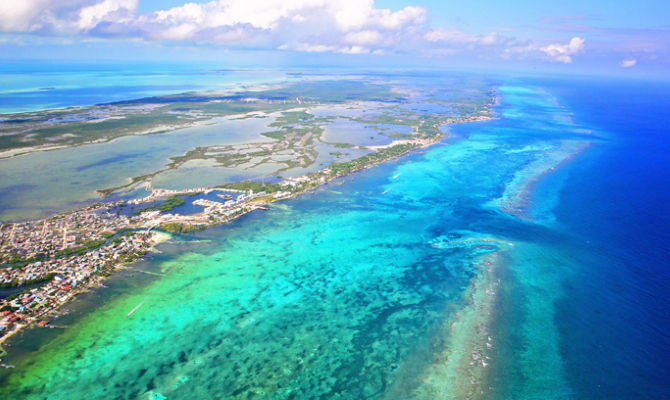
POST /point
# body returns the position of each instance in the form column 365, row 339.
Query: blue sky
column 568, row 35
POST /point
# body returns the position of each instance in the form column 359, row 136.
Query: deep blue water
column 615, row 325
column 379, row 273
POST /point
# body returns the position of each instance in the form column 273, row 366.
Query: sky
column 626, row 37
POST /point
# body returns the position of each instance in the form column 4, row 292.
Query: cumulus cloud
column 354, row 20
column 364, row 38
column 316, row 26
column 116, row 10
column 631, row 62
column 564, row 52
column 555, row 52
column 20, row 16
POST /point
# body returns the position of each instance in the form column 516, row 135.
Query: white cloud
column 262, row 14
column 343, row 15
column 563, row 52
column 399, row 19
column 631, row 62
column 298, row 18
column 308, row 48
column 355, row 50
column 366, row 37
column 344, row 26
column 20, row 15
column 179, row 32
column 322, row 48
column 92, row 15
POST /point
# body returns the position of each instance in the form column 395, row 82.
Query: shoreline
column 156, row 239
column 159, row 129
column 317, row 180
column 309, row 182
column 156, row 130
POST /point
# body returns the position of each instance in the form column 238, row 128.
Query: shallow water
column 361, row 134
column 403, row 281
column 33, row 86
column 69, row 177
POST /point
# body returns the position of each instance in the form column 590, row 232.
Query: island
column 46, row 262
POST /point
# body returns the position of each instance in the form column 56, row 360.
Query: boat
column 135, row 309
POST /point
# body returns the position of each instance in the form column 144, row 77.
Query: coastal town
column 45, row 263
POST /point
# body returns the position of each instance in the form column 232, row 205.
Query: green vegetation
column 120, row 238
column 106, row 192
column 46, row 278
column 292, row 117
column 332, row 91
column 371, row 158
column 171, row 203
column 79, row 125
column 194, row 154
column 386, row 119
column 132, row 256
column 19, row 262
column 257, row 187
column 263, row 199
column 279, row 135
column 342, row 145
column 79, row 250
column 175, row 227
column 141, row 210
column 296, row 132
column 72, row 126
column 7, row 285
column 287, row 132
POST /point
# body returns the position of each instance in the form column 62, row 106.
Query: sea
column 34, row 86
column 525, row 257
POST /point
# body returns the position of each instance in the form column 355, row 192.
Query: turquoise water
column 351, row 291
column 37, row 86
column 452, row 273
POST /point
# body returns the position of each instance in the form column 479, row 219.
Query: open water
column 33, row 86
column 523, row 258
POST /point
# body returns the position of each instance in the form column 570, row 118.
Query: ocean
column 33, row 86
column 617, row 199
column 522, row 258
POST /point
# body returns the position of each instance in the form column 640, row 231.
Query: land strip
column 69, row 252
